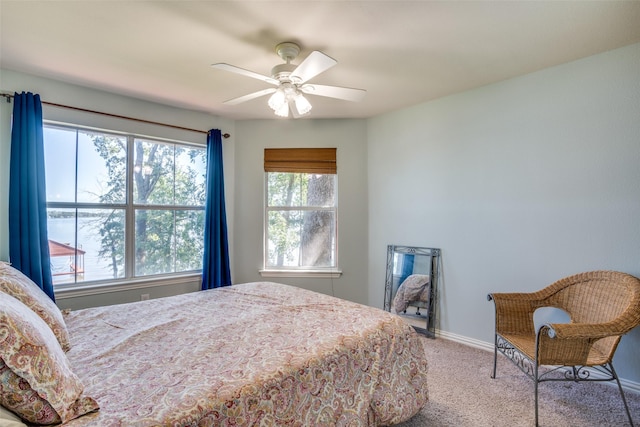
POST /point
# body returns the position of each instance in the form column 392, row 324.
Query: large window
column 301, row 209
column 122, row 207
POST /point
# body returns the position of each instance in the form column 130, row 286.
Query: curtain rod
column 8, row 96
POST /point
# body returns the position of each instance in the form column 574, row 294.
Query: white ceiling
column 402, row 52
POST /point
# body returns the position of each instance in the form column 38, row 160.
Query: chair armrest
column 591, row 331
column 514, row 312
column 574, row 343
column 532, row 297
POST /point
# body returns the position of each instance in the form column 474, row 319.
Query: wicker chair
column 603, row 306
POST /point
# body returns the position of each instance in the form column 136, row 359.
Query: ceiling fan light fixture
column 283, row 110
column 302, row 104
column 277, row 100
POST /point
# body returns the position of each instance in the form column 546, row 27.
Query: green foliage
column 164, row 175
column 111, row 224
column 111, row 229
column 300, row 228
column 114, row 152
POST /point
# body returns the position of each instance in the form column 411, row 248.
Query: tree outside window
column 301, row 216
column 122, row 207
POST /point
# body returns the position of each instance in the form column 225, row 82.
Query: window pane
column 102, row 165
column 191, row 169
column 189, row 240
column 317, row 244
column 300, row 189
column 108, row 228
column 60, row 164
column 285, row 189
column 283, row 236
column 153, row 173
column 301, row 238
column 154, row 242
column 86, row 246
column 320, row 190
column 168, row 241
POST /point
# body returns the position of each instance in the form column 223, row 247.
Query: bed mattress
column 255, row 354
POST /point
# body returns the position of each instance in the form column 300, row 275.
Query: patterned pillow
column 36, row 381
column 19, row 286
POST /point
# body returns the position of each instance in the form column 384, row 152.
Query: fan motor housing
column 282, row 71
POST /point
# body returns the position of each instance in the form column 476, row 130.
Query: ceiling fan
column 291, row 82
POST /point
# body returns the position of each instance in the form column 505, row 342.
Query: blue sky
column 60, row 146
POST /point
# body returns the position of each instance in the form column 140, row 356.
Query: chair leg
column 624, row 400
column 535, row 391
column 495, row 355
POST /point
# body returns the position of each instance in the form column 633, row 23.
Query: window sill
column 329, row 274
column 81, row 289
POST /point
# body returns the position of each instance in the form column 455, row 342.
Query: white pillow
column 9, row 419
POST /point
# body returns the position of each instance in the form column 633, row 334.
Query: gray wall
column 349, row 137
column 519, row 183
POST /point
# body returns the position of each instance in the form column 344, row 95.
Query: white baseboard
column 630, row 386
column 472, row 342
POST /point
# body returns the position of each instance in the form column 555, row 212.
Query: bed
column 254, row 354
column 414, row 291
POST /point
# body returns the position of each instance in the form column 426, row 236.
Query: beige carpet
column 462, row 394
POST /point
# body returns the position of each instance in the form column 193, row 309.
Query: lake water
column 62, row 230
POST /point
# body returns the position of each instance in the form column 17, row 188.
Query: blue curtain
column 28, row 242
column 215, row 266
column 407, row 267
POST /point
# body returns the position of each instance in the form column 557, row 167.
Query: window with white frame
column 301, row 209
column 122, row 207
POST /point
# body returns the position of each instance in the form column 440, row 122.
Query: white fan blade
column 346, row 93
column 250, row 96
column 242, row 71
column 314, row 64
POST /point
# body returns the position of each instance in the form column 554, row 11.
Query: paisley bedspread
column 256, row 354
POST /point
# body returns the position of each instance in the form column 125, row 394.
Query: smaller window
column 301, row 209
